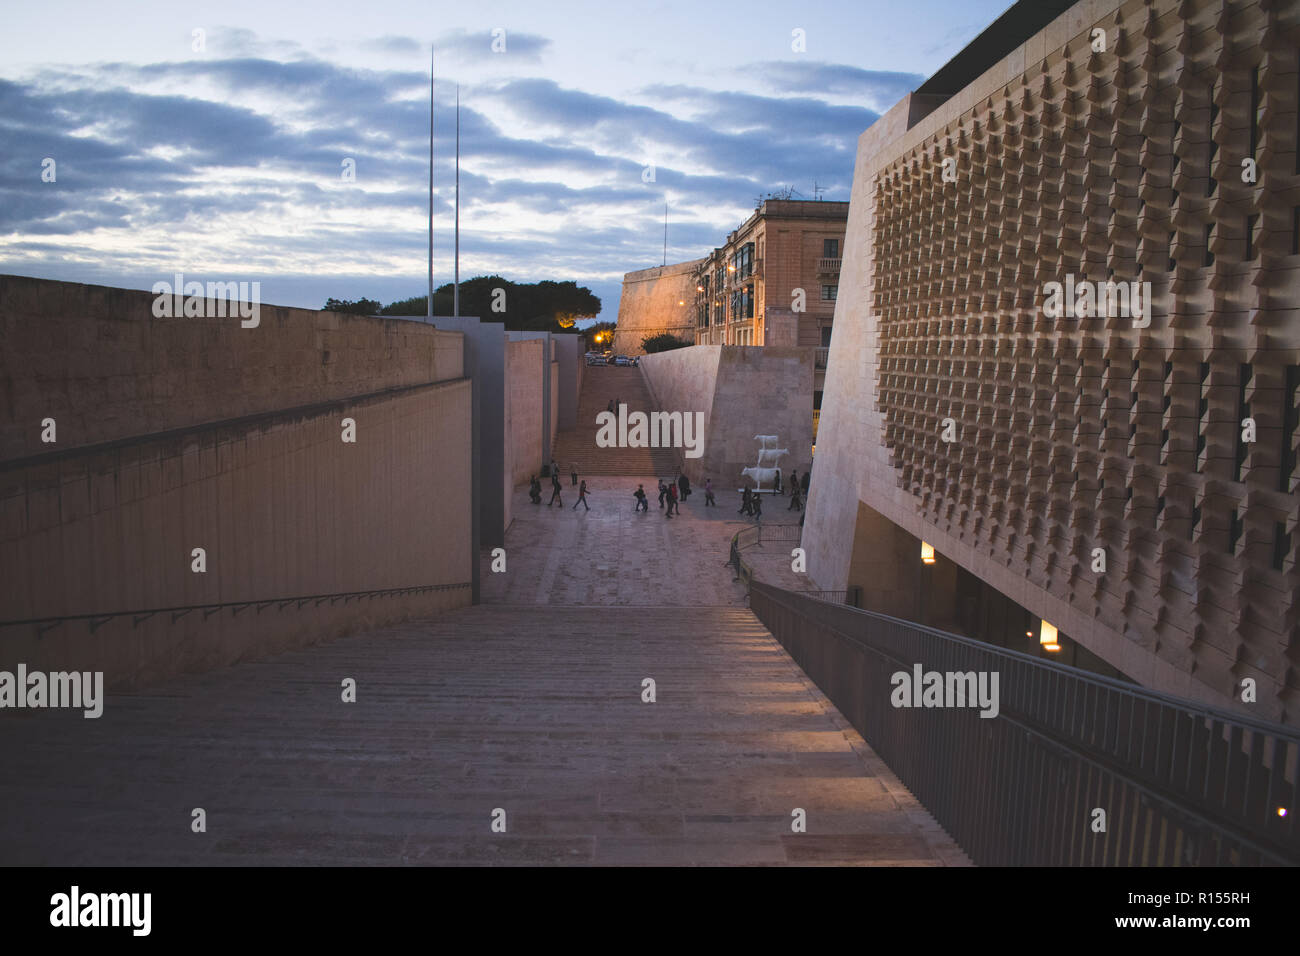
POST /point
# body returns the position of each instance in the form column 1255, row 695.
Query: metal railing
column 784, row 533
column 96, row 620
column 820, row 357
column 1074, row 769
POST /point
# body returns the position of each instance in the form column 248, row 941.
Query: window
column 826, row 336
column 830, row 248
column 829, row 292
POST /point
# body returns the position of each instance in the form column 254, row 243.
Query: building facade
column 1123, row 471
column 775, row 280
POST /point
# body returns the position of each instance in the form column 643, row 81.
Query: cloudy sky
column 221, row 154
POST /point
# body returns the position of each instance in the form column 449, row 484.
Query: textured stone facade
column 1126, row 164
column 654, row 301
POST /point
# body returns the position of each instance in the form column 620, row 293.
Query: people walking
column 582, row 496
column 642, row 503
column 795, row 503
column 555, row 469
column 663, row 492
column 746, row 503
column 573, row 473
column 803, row 482
column 672, row 501
column 684, row 485
column 708, row 493
column 555, row 491
column 778, row 482
column 535, row 490
column 794, row 480
column 758, row 508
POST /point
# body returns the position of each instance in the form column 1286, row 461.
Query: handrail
column 1176, row 781
column 180, row 610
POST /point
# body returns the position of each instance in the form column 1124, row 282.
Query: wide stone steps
column 577, row 447
column 535, row 713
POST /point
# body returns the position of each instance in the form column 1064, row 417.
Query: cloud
column 234, row 165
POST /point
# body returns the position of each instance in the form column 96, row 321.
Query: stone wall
column 99, row 363
column 523, row 384
column 649, row 305
column 283, row 509
column 743, row 391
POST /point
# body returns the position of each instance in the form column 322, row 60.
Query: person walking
column 555, row 469
column 573, row 473
column 684, row 485
column 535, row 490
column 803, row 481
column 746, row 503
column 642, row 504
column 672, row 501
column 582, row 496
column 758, row 508
column 708, row 493
column 795, row 503
column 555, row 491
column 663, row 492
column 778, row 482
column 794, row 481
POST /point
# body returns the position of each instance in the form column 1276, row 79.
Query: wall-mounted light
column 1047, row 637
column 927, row 553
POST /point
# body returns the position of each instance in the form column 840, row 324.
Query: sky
column 216, row 140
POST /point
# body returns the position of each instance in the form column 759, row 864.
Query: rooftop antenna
column 429, row 315
column 455, row 294
column 665, row 234
column 817, row 191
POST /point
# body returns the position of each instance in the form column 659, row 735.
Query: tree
column 603, row 329
column 663, row 342
column 359, row 307
column 544, row 306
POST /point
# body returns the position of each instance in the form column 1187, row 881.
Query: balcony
column 828, row 267
column 819, row 358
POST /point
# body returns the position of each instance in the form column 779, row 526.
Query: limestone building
column 746, row 289
column 654, row 301
column 1125, row 471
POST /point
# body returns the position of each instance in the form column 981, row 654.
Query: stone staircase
column 578, row 446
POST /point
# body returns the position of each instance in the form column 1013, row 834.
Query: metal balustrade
column 1179, row 783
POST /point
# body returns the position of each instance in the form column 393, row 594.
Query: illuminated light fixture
column 927, row 553
column 1047, row 637
column 1281, row 811
column 680, row 302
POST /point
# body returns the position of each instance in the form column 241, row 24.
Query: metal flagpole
column 665, row 234
column 430, row 301
column 455, row 294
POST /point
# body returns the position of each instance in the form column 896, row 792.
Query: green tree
column 359, row 307
column 544, row 306
column 663, row 342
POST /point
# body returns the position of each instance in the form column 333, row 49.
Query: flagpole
column 430, row 299
column 455, row 295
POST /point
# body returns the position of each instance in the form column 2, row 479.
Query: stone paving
column 612, row 555
column 491, row 707
column 538, row 713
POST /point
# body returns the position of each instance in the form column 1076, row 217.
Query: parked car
column 596, row 360
column 623, row 361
